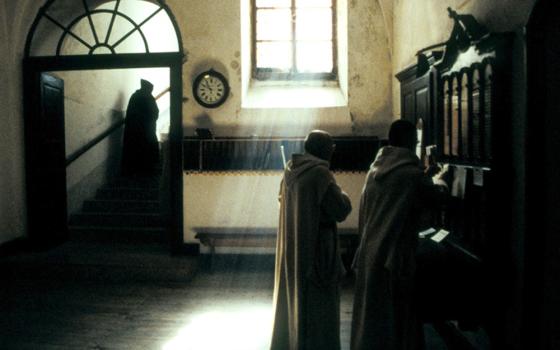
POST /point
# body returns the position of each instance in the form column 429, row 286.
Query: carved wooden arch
column 67, row 29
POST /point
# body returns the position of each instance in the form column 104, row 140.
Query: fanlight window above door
column 92, row 27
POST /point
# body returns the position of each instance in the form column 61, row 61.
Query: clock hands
column 211, row 89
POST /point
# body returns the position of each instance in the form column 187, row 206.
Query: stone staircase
column 106, row 262
column 119, row 236
column 125, row 211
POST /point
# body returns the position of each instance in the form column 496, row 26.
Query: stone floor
column 120, row 297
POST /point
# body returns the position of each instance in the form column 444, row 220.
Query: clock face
column 210, row 89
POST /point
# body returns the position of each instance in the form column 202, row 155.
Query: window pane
column 314, row 57
column 314, row 24
column 274, row 55
column 274, row 3
column 313, row 3
column 274, row 25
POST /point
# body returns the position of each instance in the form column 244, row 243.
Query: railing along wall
column 110, row 130
column 232, row 154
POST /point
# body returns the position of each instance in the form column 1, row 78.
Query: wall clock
column 210, row 89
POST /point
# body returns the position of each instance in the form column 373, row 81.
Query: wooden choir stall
column 458, row 95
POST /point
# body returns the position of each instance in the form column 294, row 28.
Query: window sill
column 302, row 95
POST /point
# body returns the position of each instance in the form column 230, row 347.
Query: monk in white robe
column 394, row 193
column 308, row 264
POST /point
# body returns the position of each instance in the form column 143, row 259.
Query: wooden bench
column 213, row 237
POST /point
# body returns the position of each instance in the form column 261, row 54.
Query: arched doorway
column 93, row 35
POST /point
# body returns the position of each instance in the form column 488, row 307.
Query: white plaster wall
column 387, row 11
column 369, row 65
column 247, row 199
column 93, row 100
column 15, row 19
column 96, row 99
column 12, row 214
column 246, row 47
column 215, row 36
column 211, row 32
column 420, row 23
column 342, row 42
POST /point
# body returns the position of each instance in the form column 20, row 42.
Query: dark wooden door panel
column 48, row 217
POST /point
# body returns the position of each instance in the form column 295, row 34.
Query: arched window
column 92, row 27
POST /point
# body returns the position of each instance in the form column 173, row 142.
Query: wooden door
column 47, row 185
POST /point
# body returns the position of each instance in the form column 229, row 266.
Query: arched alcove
column 70, row 35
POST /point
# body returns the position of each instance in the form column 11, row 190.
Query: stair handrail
column 158, row 96
column 116, row 125
column 77, row 154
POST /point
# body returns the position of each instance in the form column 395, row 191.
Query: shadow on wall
column 207, row 65
column 114, row 153
column 107, row 155
column 203, row 121
column 115, row 146
column 120, row 103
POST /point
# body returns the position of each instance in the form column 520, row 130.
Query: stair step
column 142, row 181
column 117, row 220
column 82, row 233
column 134, row 184
column 121, row 206
column 127, row 193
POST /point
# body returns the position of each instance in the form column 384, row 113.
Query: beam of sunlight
column 243, row 327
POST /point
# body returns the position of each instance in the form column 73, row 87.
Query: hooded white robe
column 392, row 198
column 308, row 265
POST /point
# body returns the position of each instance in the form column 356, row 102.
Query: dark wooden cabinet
column 418, row 96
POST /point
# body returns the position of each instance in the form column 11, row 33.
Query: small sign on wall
column 478, row 177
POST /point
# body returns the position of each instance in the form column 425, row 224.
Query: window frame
column 268, row 74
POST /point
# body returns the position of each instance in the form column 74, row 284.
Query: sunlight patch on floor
column 238, row 327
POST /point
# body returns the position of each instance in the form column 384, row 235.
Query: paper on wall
column 478, row 177
column 459, row 182
column 419, row 143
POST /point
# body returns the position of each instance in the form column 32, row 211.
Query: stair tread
column 121, row 207
column 115, row 214
column 129, row 189
column 137, row 188
column 124, row 200
column 115, row 228
column 126, row 209
column 127, row 194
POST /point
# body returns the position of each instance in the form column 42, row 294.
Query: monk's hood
column 299, row 165
column 390, row 158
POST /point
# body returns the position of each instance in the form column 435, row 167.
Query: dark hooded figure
column 395, row 191
column 308, row 269
column 140, row 145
